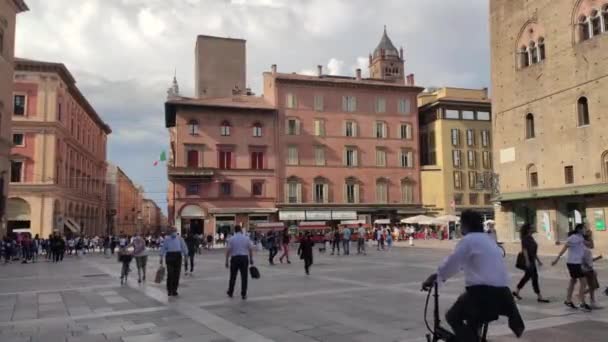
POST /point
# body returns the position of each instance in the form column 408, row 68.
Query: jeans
column 361, row 246
column 346, row 246
column 531, row 273
column 240, row 264
column 335, row 244
column 174, row 267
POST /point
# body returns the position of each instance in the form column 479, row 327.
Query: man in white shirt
column 486, row 278
column 240, row 254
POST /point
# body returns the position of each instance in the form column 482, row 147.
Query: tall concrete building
column 8, row 12
column 549, row 84
column 220, row 66
column 456, row 150
column 58, row 158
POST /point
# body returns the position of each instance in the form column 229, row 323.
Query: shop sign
column 292, row 215
column 318, row 215
column 600, row 222
column 344, row 215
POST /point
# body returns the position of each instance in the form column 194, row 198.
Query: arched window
column 525, row 57
column 532, row 176
column 583, row 111
column 257, row 129
column 605, row 166
column 541, row 49
column 533, row 53
column 225, row 128
column 583, row 26
column 193, row 127
column 596, row 23
column 530, row 126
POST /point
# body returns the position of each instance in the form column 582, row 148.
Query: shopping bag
column 160, row 275
column 520, row 262
column 255, row 273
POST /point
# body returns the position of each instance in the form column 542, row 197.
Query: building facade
column 152, row 217
column 125, row 203
column 549, row 84
column 312, row 148
column 456, row 151
column 8, row 12
column 58, row 158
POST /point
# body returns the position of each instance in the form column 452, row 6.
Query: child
column 125, row 258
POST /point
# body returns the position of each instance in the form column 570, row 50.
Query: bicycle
column 439, row 333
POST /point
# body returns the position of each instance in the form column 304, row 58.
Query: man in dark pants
column 172, row 251
column 240, row 255
column 272, row 242
column 192, row 244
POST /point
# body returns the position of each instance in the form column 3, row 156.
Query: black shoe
column 244, row 297
column 289, row 262
column 543, row 300
column 585, row 307
column 175, row 294
column 570, row 305
column 229, row 294
column 516, row 295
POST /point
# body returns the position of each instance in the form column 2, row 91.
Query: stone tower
column 387, row 62
column 219, row 66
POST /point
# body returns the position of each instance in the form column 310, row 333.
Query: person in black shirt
column 336, row 241
column 285, row 245
column 305, row 251
column 271, row 243
column 192, row 244
column 529, row 248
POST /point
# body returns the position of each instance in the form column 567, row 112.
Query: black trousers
column 239, row 263
column 191, row 258
column 531, row 273
column 273, row 251
column 174, row 268
column 307, row 263
column 335, row 244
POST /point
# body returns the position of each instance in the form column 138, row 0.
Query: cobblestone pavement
column 346, row 298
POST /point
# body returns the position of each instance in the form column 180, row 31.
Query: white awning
column 418, row 219
column 382, row 221
column 242, row 210
column 292, row 215
column 192, row 211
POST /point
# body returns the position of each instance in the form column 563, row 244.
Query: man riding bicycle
column 487, row 294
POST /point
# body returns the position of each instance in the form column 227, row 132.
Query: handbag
column 255, row 273
column 160, row 275
column 520, row 263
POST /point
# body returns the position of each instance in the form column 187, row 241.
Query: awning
column 344, row 215
column 268, row 225
column 242, row 210
column 382, row 221
column 594, row 189
column 318, row 215
column 311, row 225
column 292, row 215
column 418, row 219
column 349, row 222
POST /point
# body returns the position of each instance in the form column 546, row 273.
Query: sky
column 124, row 53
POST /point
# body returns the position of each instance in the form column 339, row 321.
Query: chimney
column 319, row 70
column 410, row 80
column 485, row 92
column 358, row 71
column 273, row 68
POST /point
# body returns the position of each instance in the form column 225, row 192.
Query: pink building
column 346, row 149
column 58, row 159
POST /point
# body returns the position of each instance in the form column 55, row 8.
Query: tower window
column 530, row 133
column 596, row 23
column 525, row 57
column 583, row 25
column 583, row 111
column 541, row 49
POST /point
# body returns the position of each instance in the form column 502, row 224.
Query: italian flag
column 162, row 158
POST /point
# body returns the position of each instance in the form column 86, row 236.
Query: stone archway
column 18, row 214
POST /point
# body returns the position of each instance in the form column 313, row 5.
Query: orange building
column 125, row 201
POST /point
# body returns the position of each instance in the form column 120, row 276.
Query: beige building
column 549, row 80
column 455, row 145
column 8, row 11
column 220, row 66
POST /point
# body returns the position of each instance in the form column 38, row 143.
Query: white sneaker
column 596, row 306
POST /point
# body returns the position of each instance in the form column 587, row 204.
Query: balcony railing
column 189, row 172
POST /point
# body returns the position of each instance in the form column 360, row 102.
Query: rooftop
column 21, row 5
column 342, row 80
column 451, row 94
column 385, row 45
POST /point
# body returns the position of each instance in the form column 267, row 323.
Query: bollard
column 411, row 240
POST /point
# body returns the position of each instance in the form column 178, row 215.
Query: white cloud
column 334, row 66
column 363, row 64
column 150, row 24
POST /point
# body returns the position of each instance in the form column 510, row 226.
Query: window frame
column 319, row 127
column 24, row 96
column 457, row 158
column 485, row 138
column 190, row 186
column 383, row 133
column 354, row 162
column 381, row 156
column 349, row 103
column 380, row 105
column 320, row 161
column 193, row 128
column 406, row 158
column 291, row 101
column 405, row 131
column 582, row 110
column 382, row 189
column 470, row 137
column 530, row 126
column 21, row 171
column 257, row 131
column 457, row 179
column 257, row 161
column 569, row 174
column 353, row 128
column 471, row 159
column 291, row 161
column 190, row 151
column 224, row 159
column 296, row 126
column 22, row 144
column 407, row 192
column 223, row 193
column 318, row 103
column 404, row 106
column 255, row 183
column 455, row 137
column 225, row 128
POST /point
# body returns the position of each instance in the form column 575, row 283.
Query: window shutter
column 344, row 124
column 297, row 127
column 357, row 200
column 286, row 191
column 355, row 129
column 344, row 157
column 299, row 192
column 355, row 159
column 408, row 131
column 344, row 104
column 384, row 133
column 325, row 193
column 345, row 193
column 410, row 159
column 287, row 126
column 354, row 104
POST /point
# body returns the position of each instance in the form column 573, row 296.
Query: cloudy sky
column 123, row 52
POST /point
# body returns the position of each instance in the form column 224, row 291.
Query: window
column 380, row 157
column 257, row 160
column 18, row 139
column 320, row 155
column 468, row 115
column 473, row 198
column 458, row 199
column 569, row 174
column 596, row 23
column 293, row 127
column 471, row 159
column 16, row 171
column 452, row 114
column 486, row 160
column 59, row 112
column 533, row 53
column 525, row 57
column 583, row 111
column 583, row 25
column 405, row 131
column 532, row 176
column 350, row 156
column 487, row 199
column 1, row 42
column 321, row 194
column 381, row 191
column 530, row 134
column 380, row 129
column 293, row 192
column 470, row 137
column 350, row 129
column 351, row 192
column 291, row 101
column 193, row 127
column 406, row 159
column 456, row 158
column 257, row 188
column 404, row 106
column 605, row 18
column 407, row 192
column 225, row 162
column 192, row 158
column 257, row 129
column 319, row 127
column 192, row 189
column 318, row 105
column 455, row 133
column 225, row 128
column 19, row 105
column 483, row 116
column 472, row 180
column 457, row 180
column 225, row 189
column 292, row 155
column 349, row 103
column 541, row 49
column 485, row 138
column 380, row 105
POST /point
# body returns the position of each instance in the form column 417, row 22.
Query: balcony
column 189, row 172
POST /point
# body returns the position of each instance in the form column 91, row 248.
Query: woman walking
column 305, row 251
column 141, row 257
column 529, row 249
column 285, row 245
column 389, row 239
